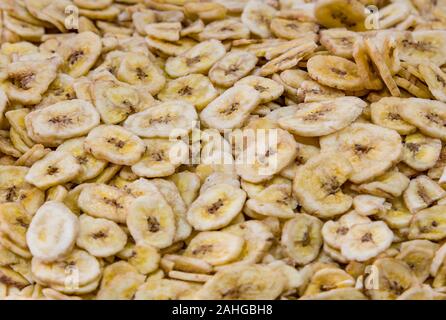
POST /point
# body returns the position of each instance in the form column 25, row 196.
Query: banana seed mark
column 75, row 57
column 51, row 170
column 215, row 206
column 116, row 142
column 153, row 224
column 367, row 237
column 23, row 80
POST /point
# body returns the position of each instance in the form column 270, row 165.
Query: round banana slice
column 427, row 115
column 292, row 29
column 28, row 80
column 80, row 53
column 169, row 31
column 366, row 240
column 385, row 113
column 120, row 281
column 302, row 239
column 161, row 158
column 195, row 89
column 151, row 221
column 418, row 259
column 334, row 232
column 421, row 193
column 335, row 72
column 166, row 289
column 435, row 79
column 198, row 59
column 389, row 185
column 273, row 150
column 100, row 237
column 370, row 149
column 215, row 247
column 144, row 258
column 25, row 30
column 274, row 201
column 137, row 69
column 170, row 119
column 55, row 168
column 367, row 205
column 251, row 282
column 52, row 231
column 420, row 152
column 329, row 279
column 421, row 46
column 87, row 269
column 428, row 224
column 339, row 42
column 257, row 16
column 216, row 207
column 231, row 109
column 317, row 185
column 104, row 201
column 340, row 13
column 14, row 222
column 232, row 67
column 90, row 166
column 322, row 118
column 114, row 144
column 268, row 89
column 224, row 30
column 389, row 279
column 62, row 120
column 14, row 188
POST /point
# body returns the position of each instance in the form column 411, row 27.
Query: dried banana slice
column 93, row 5
column 366, row 240
column 428, row 224
column 224, row 30
column 266, row 156
column 198, row 59
column 27, row 80
column 207, row 11
column 244, row 283
column 420, row 152
column 435, row 79
column 339, row 42
column 55, row 168
column 80, row 53
column 90, row 166
column 257, row 16
column 231, row 109
column 275, row 201
column 421, row 46
column 366, row 70
column 293, row 29
column 56, row 272
column 317, row 185
column 370, row 149
column 302, row 238
column 138, row 70
column 391, row 278
column 390, row 184
column 100, row 237
column 62, row 120
column 322, row 118
column 367, row 205
column 421, row 193
column 52, row 232
column 418, row 259
column 340, row 13
column 14, row 188
column 170, row 119
column 114, row 144
column 232, row 67
column 120, row 281
column 151, row 221
column 169, row 31
column 216, row 207
column 166, row 289
column 26, row 31
column 195, row 89
column 161, row 158
column 334, row 232
column 188, row 184
column 385, row 113
column 215, row 247
column 144, row 258
column 12, row 279
column 329, row 279
column 103, row 201
column 335, row 72
column 14, row 223
column 268, row 89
